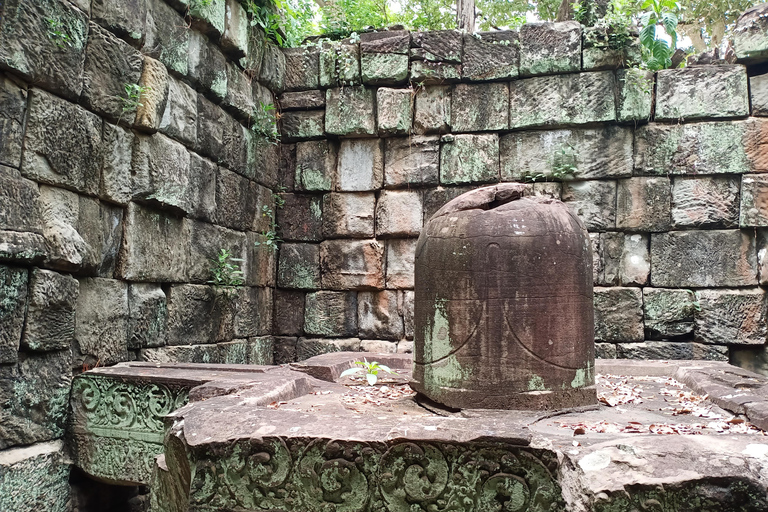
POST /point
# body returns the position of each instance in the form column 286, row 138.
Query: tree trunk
column 465, row 15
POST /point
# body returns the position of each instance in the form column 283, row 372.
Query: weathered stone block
column 19, row 205
column 50, row 322
column 598, row 51
column 352, row 264
column 379, row 315
column 411, row 161
column 573, row 99
column 301, row 218
column 408, row 317
column 593, row 201
column 306, row 347
column 698, row 92
column 202, row 177
column 400, row 259
column 208, row 16
column 668, row 313
column 13, row 105
column 302, row 68
column 153, row 97
column 208, row 354
column 394, row 108
column 378, row 346
column 253, row 316
column 339, row 64
column 383, row 68
column 491, row 55
column 289, row 312
column 361, row 165
column 567, row 154
column 299, row 266
column 349, row 111
column 469, row 159
column 285, row 349
column 116, row 179
column 620, row 259
column 481, row 107
column 44, row 42
column 437, row 45
column 45, row 464
column 167, row 36
column 239, row 98
column 348, row 215
column 264, row 157
column 302, row 100
column 236, row 27
column 206, row 243
column 425, row 72
column 618, row 314
column 196, row 313
column 758, row 94
column 754, row 200
column 101, row 326
column 605, row 351
column 332, row 314
column 18, row 247
column 398, row 213
column 682, row 259
column 286, row 173
column 432, row 109
column 207, row 65
column 236, row 200
column 62, row 145
column 161, row 174
column 315, row 165
column 435, row 198
column 388, row 41
column 126, row 18
column 553, row 190
column 261, row 260
column 302, row 125
column 549, row 48
column 273, row 68
column 179, row 119
column 634, row 94
column 210, row 129
column 147, row 316
column 749, row 36
column 261, row 350
column 732, row 317
column 671, row 350
column 762, row 255
column 13, row 306
column 643, row 204
column 705, row 201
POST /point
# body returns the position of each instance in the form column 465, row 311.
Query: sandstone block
column 45, row 464
column 147, row 316
column 389, row 41
column 207, row 65
column 210, row 129
column 299, row 266
column 302, row 125
column 289, row 312
column 762, row 256
column 179, row 119
column 48, row 54
column 209, row 17
column 435, row 198
column 331, row 314
column 552, row 190
column 400, row 260
column 273, row 68
column 620, row 259
column 491, row 55
column 383, row 68
column 437, row 46
column 349, row 111
column 126, row 18
column 285, row 350
column 749, row 36
column 62, row 145
column 265, row 209
column 206, row 243
column 301, row 218
column 754, row 200
column 161, row 174
column 236, row 27
column 427, row 72
column 208, row 354
column 732, row 317
column 302, row 68
column 22, row 247
column 378, row 346
column 253, row 315
column 315, row 165
column 671, row 350
column 605, row 351
column 598, row 52
column 703, row 259
column 481, row 107
column 407, row 318
column 307, row 347
column 469, row 159
column 116, row 180
column 352, row 264
column 758, row 93
column 394, row 108
column 567, row 154
column 261, row 261
column 700, row 92
column 548, row 48
column 411, row 161
column 634, row 94
column 643, row 204
column 13, row 105
column 286, row 173
column 202, row 177
column 432, row 109
column 101, row 326
column 593, row 201
column 348, row 215
column 50, row 322
column 264, row 157
column 302, row 100
column 379, row 315
column 239, row 98
column 339, row 64
column 668, row 313
column 562, row 100
column 167, row 36
column 405, row 347
column 261, row 350
column 13, row 290
column 197, row 312
column 153, row 97
column 19, row 205
column 399, row 213
column 618, row 314
column 705, row 201
column 361, row 165
column 236, row 200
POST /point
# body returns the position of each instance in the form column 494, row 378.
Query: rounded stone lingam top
column 503, row 304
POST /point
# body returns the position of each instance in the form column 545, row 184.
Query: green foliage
column 226, row 270
column 659, row 14
column 285, row 22
column 57, row 33
column 264, row 122
column 563, row 165
column 426, row 15
column 340, row 18
column 270, row 236
column 132, row 99
column 371, row 371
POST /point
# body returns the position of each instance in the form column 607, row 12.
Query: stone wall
column 127, row 162
column 668, row 171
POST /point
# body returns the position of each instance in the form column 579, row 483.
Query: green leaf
column 648, row 36
column 385, row 368
column 351, row 371
column 371, row 378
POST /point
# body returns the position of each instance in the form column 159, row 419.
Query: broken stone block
column 289, row 312
column 239, row 98
column 432, row 109
column 398, row 213
column 13, row 105
column 643, row 204
column 697, row 259
column 480, row 107
column 302, row 125
column 302, row 68
column 562, row 100
column 111, row 76
column 383, row 68
column 285, row 349
column 62, row 145
column 387, row 41
column 302, row 100
column 179, row 119
column 352, row 264
column 580, row 154
column 379, row 315
column 332, row 314
column 49, row 54
column 348, row 215
column 411, row 161
column 361, row 165
column 400, row 260
column 154, row 84
column 207, row 65
column 160, row 170
column 45, row 464
column 13, row 306
column 699, row 92
column 306, row 347
column 550, row 48
column 732, row 317
column 469, row 159
column 315, row 165
column 618, row 314
column 101, row 326
column 206, row 243
column 50, row 322
column 147, row 316
column 349, row 111
column 394, row 108
column 672, row 351
column 593, row 201
column 437, row 46
column 668, row 313
column 301, row 218
column 705, row 201
column 754, row 200
column 236, row 200
column 491, row 55
column 22, row 247
column 167, row 36
column 299, row 266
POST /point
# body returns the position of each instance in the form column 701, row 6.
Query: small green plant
column 371, row 371
column 132, row 99
column 270, row 236
column 264, row 122
column 226, row 270
column 563, row 165
column 57, row 33
column 278, row 198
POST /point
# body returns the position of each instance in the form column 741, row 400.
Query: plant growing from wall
column 264, row 122
column 57, row 33
column 226, row 270
column 563, row 166
column 270, row 236
column 371, row 371
column 659, row 14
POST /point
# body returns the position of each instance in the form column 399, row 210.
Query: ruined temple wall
column 667, row 171
column 126, row 164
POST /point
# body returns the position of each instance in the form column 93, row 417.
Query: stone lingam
column 503, row 304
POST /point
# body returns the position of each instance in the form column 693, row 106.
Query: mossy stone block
column 383, row 68
column 350, row 111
